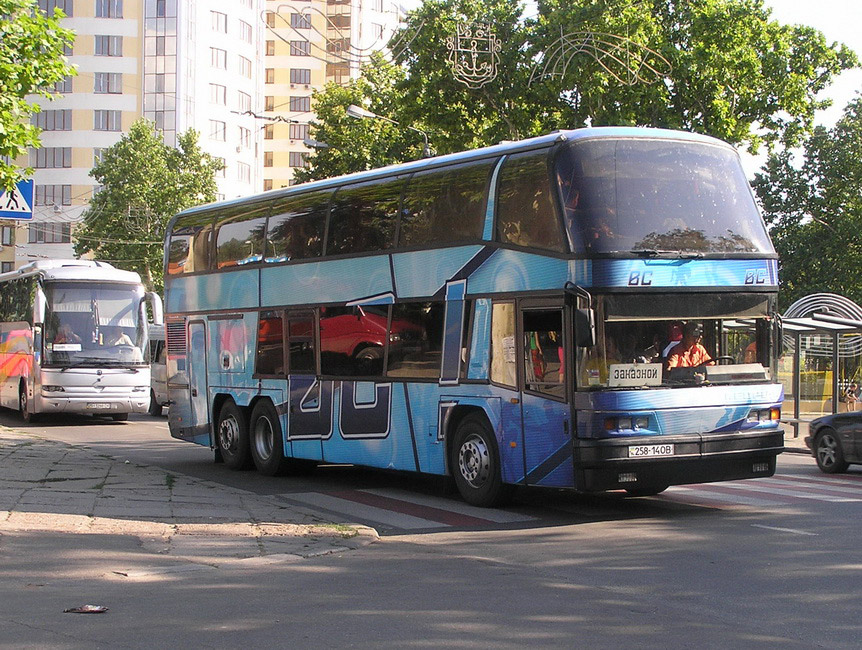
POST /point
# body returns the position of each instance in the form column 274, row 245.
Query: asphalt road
column 766, row 563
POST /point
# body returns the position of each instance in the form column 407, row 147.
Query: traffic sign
column 17, row 204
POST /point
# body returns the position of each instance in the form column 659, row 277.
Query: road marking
column 784, row 530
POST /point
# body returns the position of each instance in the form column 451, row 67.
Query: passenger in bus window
column 689, row 352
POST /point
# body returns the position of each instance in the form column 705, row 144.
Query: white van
column 158, row 370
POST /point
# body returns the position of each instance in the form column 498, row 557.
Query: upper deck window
column 296, row 227
column 445, row 205
column 626, row 195
column 363, row 217
column 239, row 239
column 525, row 207
column 189, row 246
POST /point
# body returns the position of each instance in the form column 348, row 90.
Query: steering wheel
column 724, row 358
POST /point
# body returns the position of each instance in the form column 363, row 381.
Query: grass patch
column 170, row 479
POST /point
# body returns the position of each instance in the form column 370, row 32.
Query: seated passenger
column 689, row 353
column 66, row 335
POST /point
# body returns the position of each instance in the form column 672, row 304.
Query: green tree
column 814, row 210
column 144, row 183
column 720, row 67
column 31, row 61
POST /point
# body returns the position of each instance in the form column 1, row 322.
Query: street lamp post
column 364, row 114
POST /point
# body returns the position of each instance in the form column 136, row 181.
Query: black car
column 836, row 441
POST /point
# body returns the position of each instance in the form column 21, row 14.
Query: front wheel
column 267, row 444
column 828, row 452
column 476, row 464
column 232, row 437
column 24, row 406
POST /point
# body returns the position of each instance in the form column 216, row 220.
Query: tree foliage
column 31, row 61
column 815, row 211
column 144, row 183
column 720, row 67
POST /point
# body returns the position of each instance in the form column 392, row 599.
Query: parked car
column 836, row 441
column 158, row 370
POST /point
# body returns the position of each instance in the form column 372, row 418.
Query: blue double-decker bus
column 503, row 316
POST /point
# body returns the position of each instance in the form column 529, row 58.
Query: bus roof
column 500, row 149
column 71, row 269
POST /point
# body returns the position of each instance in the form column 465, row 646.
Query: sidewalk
column 50, row 487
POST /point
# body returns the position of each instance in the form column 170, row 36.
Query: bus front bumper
column 103, row 405
column 650, row 462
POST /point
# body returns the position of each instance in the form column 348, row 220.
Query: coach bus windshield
column 651, row 197
column 636, row 336
column 91, row 323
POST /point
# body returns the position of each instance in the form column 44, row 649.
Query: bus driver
column 689, row 352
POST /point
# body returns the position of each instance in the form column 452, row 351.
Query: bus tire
column 267, row 443
column 23, row 406
column 476, row 465
column 120, row 417
column 154, row 409
column 232, row 437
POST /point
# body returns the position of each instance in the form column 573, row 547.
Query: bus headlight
column 756, row 416
column 627, row 423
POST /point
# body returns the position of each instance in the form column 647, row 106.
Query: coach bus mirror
column 40, row 304
column 585, row 328
column 778, row 336
column 156, row 308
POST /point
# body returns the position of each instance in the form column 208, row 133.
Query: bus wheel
column 476, row 464
column 154, row 409
column 232, row 437
column 267, row 444
column 23, row 404
column 646, row 490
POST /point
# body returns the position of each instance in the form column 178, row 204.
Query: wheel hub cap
column 474, row 461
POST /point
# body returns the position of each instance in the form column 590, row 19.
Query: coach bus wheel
column 476, row 464
column 23, row 405
column 232, row 437
column 154, row 409
column 646, row 490
column 267, row 444
column 828, row 453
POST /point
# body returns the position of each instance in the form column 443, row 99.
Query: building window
column 269, row 75
column 53, row 120
column 268, row 131
column 267, row 184
column 300, row 76
column 269, row 103
column 218, row 94
column 108, row 82
column 5, row 267
column 298, row 131
column 243, row 172
column 296, row 159
column 49, row 233
column 109, row 46
column 218, row 21
column 300, row 21
column 53, row 195
column 51, row 157
column 300, row 104
column 98, row 154
column 63, row 87
column 245, row 32
column 270, row 19
column 220, row 172
column 267, row 158
column 160, row 45
column 218, row 58
column 243, row 101
column 7, row 235
column 218, row 130
column 159, row 119
column 107, row 120
column 270, row 48
column 161, row 9
column 109, row 8
column 244, row 137
column 245, row 67
column 48, row 6
column 300, row 48
column 159, row 82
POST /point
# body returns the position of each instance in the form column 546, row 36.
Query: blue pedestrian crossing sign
column 17, row 204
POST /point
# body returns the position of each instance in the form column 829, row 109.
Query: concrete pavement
column 55, row 489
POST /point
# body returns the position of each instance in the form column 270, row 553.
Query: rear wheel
column 828, row 452
column 267, row 443
column 476, row 464
column 155, row 409
column 232, row 437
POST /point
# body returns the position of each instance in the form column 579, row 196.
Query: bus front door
column 197, row 363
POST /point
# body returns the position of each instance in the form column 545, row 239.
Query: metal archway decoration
column 474, row 54
column 626, row 61
column 830, row 304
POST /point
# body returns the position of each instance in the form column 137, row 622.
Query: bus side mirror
column 40, row 305
column 585, row 328
column 156, row 308
column 778, row 336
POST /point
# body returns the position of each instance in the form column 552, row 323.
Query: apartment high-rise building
column 239, row 72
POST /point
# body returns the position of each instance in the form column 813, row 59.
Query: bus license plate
column 643, row 451
column 101, row 406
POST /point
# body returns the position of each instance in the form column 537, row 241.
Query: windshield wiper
column 657, row 252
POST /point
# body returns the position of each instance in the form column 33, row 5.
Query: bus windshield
column 92, row 323
column 634, row 331
column 650, row 197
